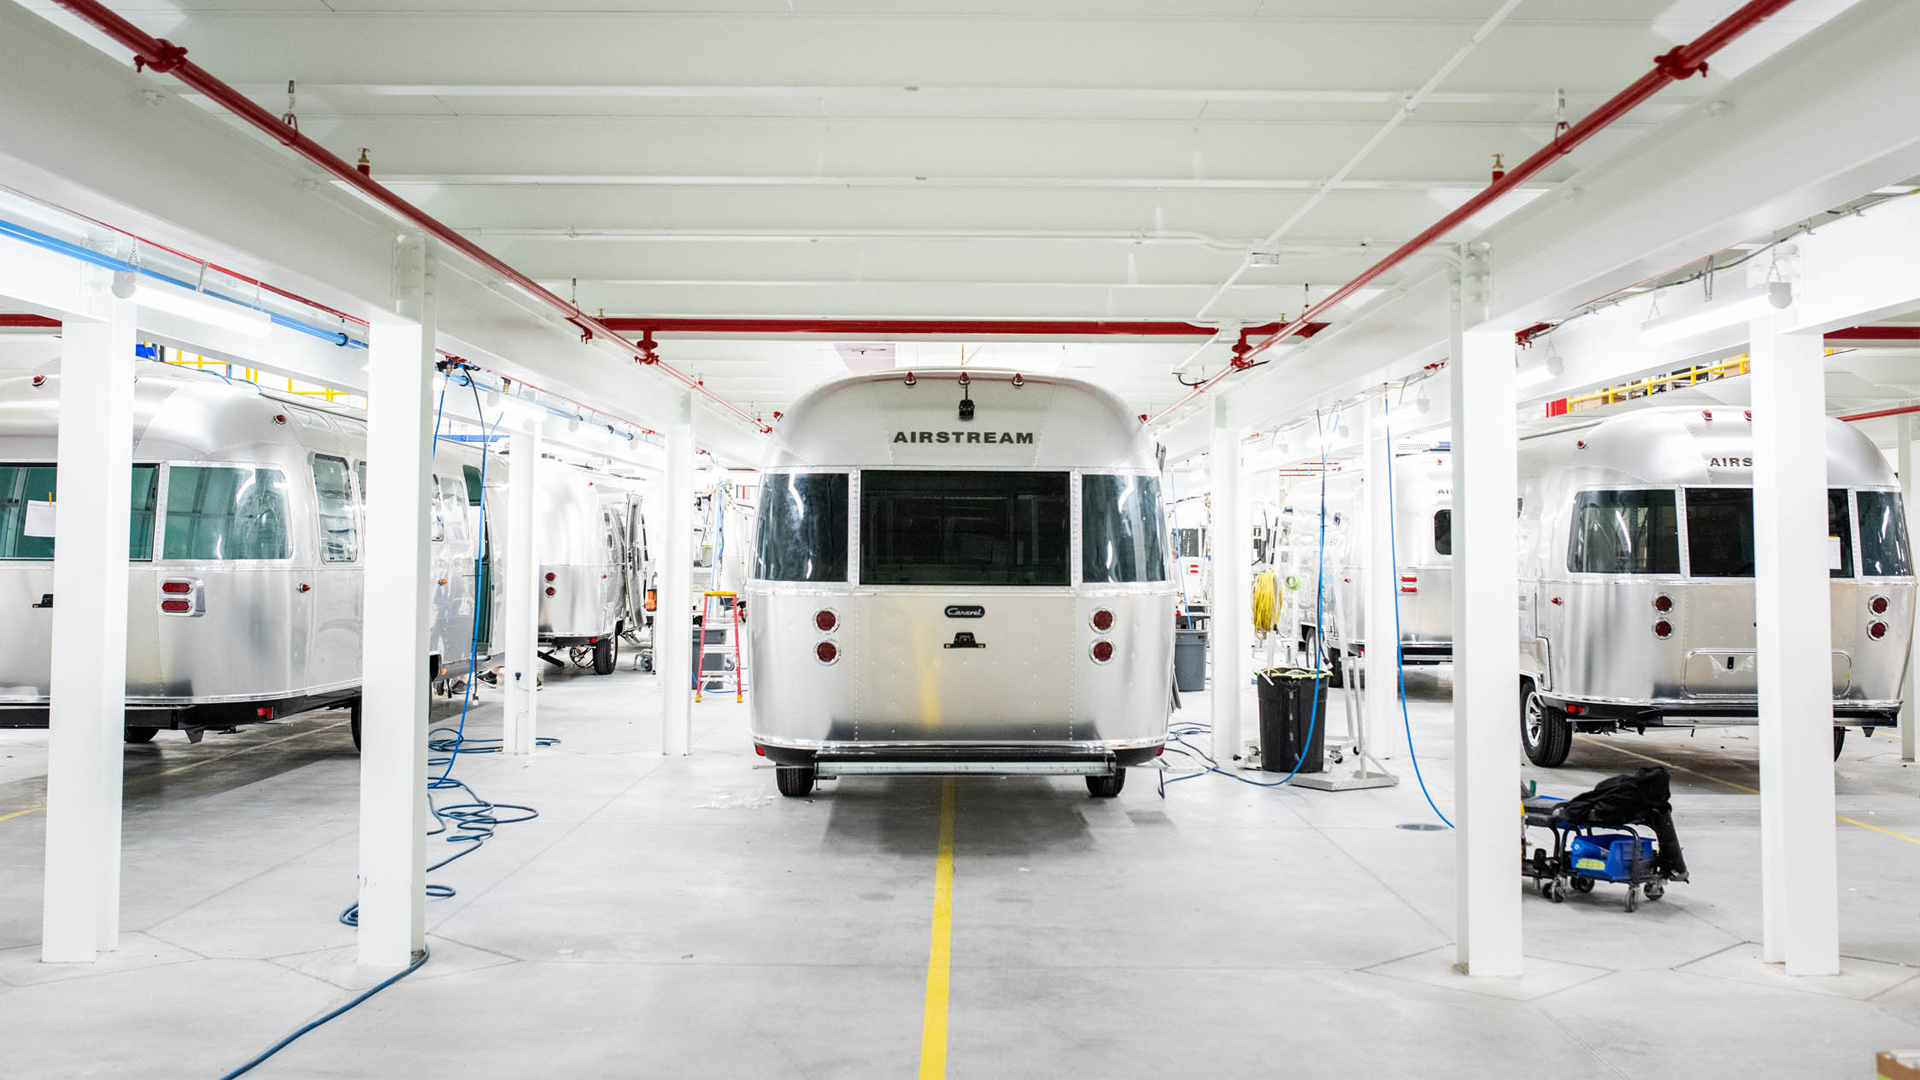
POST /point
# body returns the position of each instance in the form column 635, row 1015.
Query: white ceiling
column 1058, row 159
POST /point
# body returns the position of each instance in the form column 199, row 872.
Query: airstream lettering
column 1048, row 541
column 1637, row 565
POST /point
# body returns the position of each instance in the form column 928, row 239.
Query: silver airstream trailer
column 1636, row 577
column 1423, row 544
column 246, row 549
column 963, row 572
column 592, row 563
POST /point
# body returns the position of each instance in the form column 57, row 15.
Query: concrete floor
column 676, row 918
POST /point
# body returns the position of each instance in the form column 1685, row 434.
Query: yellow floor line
column 194, row 765
column 1740, row 787
column 933, row 1023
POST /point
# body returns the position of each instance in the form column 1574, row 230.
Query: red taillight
column 39, row 380
column 1877, row 605
column 549, row 590
column 1877, row 630
column 1102, row 620
column 177, row 607
column 1102, row 651
column 1663, row 629
column 265, row 712
column 1576, row 710
column 1663, row 603
column 176, row 588
column 758, row 749
column 826, row 621
column 549, row 575
column 1409, row 583
column 826, row 652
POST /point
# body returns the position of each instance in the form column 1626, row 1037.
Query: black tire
column 1582, row 884
column 1545, row 733
column 1106, row 787
column 141, row 734
column 353, row 723
column 794, row 780
column 1337, row 671
column 1839, row 740
column 606, row 653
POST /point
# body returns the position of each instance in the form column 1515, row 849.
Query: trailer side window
column 28, row 496
column 1121, row 529
column 963, row 528
column 339, row 534
column 802, row 528
column 1883, row 536
column 1720, row 532
column 1839, row 533
column 1191, row 543
column 223, row 512
column 1443, row 532
column 1624, row 532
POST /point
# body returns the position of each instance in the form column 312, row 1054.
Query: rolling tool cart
column 1596, row 836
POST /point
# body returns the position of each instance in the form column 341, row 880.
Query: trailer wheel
column 1106, row 787
column 353, row 722
column 146, row 734
column 606, row 652
column 793, row 780
column 1337, row 671
column 1839, row 740
column 1544, row 731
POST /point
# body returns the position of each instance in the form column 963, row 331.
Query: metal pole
column 1793, row 601
column 1486, row 706
column 396, row 611
column 673, row 628
column 521, row 674
column 86, row 745
column 1232, row 611
column 1909, row 492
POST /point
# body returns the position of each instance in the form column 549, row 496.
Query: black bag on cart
column 1637, row 798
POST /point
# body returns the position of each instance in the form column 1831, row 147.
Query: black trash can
column 1290, row 700
column 1190, row 660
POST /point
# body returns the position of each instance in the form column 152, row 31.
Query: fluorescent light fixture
column 1726, row 311
column 1532, row 376
column 200, row 307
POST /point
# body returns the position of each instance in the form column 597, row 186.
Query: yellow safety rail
column 252, row 375
column 1652, row 384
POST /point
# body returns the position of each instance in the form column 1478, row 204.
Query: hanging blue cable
column 1399, row 650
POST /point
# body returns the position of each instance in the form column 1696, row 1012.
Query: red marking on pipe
column 165, row 56
column 1678, row 63
column 28, row 322
column 1874, row 415
column 1875, row 333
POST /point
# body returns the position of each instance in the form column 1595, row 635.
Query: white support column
column 1909, row 497
column 1232, row 608
column 396, row 608
column 673, row 626
column 1380, row 586
column 1486, row 706
column 520, row 673
column 1793, row 604
column 89, row 624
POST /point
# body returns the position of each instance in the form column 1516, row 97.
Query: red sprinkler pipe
column 1878, row 413
column 167, row 58
column 1681, row 62
column 973, row 328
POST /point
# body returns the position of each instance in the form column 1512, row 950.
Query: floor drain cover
column 1420, row 826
